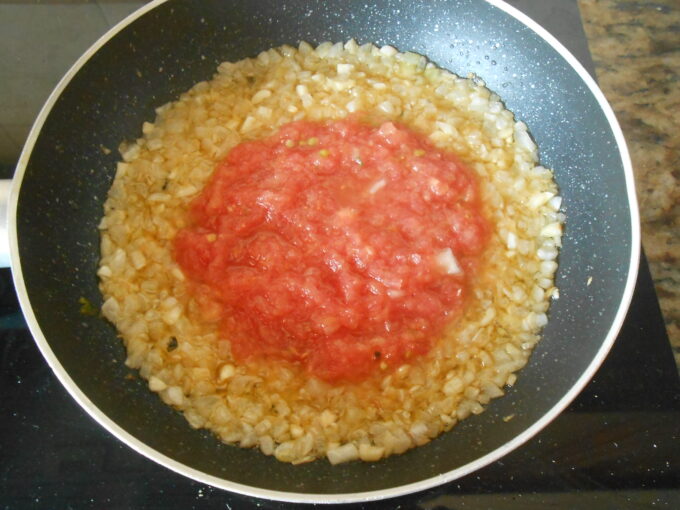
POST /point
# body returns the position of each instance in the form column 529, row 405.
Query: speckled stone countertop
column 636, row 49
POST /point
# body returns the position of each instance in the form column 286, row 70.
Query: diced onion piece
column 343, row 453
column 172, row 315
column 305, row 48
column 547, row 253
column 345, row 69
column 301, row 90
column 174, row 395
column 328, row 418
column 370, row 453
column 264, row 112
column 104, row 272
column 351, row 46
column 266, row 445
column 419, row 433
column 377, row 186
column 186, row 191
column 453, row 386
column 488, row 316
column 322, row 49
column 523, row 138
column 130, row 153
column 386, row 107
column 155, row 384
column 448, row 262
column 555, row 203
column 154, row 144
column 388, row 51
column 296, row 431
column 285, row 452
column 335, row 50
column 110, row 309
column 159, row 197
column 445, row 127
column 548, row 267
column 226, row 372
column 538, row 199
column 552, row 230
column 261, row 95
column 541, row 320
column 248, row 123
column 177, row 273
column 138, row 259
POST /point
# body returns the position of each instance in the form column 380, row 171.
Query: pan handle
column 5, row 185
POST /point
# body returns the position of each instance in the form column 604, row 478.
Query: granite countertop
column 636, row 49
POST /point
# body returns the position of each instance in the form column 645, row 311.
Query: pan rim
column 325, row 498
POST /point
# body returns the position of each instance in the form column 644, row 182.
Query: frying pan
column 67, row 166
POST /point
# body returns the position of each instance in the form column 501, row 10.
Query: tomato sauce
column 341, row 246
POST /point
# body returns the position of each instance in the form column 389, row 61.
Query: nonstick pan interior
column 69, row 163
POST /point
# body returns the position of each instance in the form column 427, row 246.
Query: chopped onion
column 156, row 384
column 377, row 186
column 386, row 107
column 388, row 51
column 345, row 69
column 260, row 96
column 343, row 453
column 555, row 203
column 552, row 230
column 538, row 199
column 448, row 262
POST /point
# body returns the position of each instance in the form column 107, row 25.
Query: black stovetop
column 616, row 446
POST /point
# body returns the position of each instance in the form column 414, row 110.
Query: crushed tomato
column 322, row 245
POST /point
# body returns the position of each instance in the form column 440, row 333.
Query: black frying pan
column 161, row 51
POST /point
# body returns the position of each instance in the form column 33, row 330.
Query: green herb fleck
column 87, row 308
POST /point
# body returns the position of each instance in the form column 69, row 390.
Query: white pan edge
column 199, row 476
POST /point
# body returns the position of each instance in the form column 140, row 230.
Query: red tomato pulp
column 340, row 246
